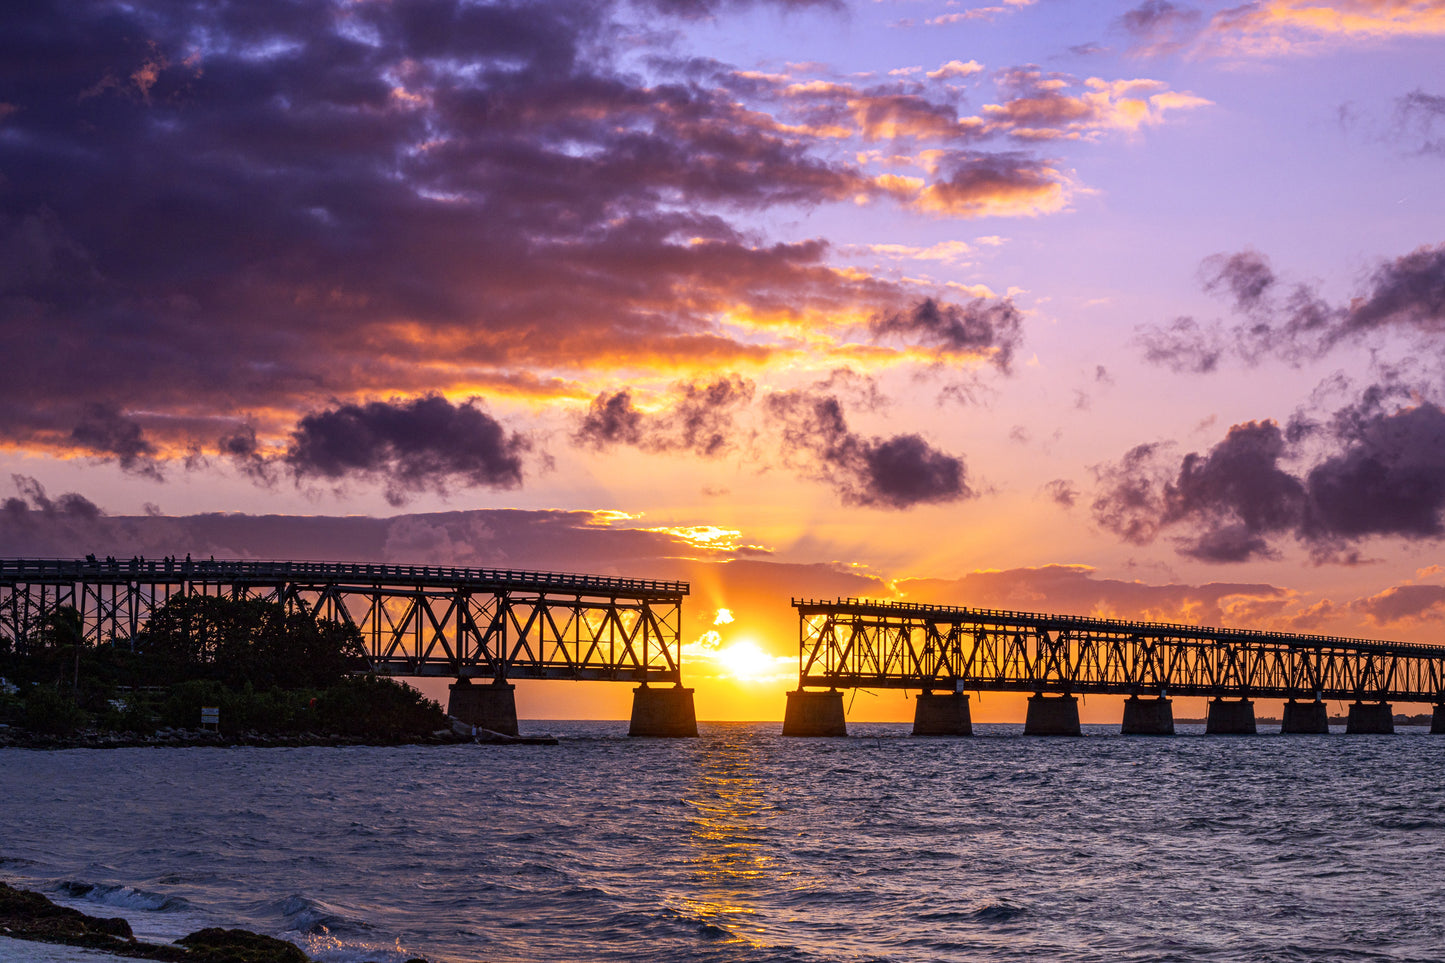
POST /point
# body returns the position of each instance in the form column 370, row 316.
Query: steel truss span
column 414, row 619
column 873, row 644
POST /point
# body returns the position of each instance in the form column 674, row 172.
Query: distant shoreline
column 15, row 738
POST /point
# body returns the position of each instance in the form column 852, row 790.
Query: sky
column 1130, row 310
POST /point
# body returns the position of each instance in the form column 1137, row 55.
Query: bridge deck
column 239, row 571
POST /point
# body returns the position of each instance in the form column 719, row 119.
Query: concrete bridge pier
column 941, row 714
column 1437, row 720
column 814, row 714
column 1305, row 718
column 1374, row 718
column 662, row 712
column 1148, row 717
column 491, row 707
column 1052, row 715
column 1230, row 717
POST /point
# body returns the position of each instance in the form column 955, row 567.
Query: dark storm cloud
column 425, row 443
column 699, row 418
column 982, row 327
column 30, row 503
column 1383, row 475
column 1388, row 479
column 244, row 451
column 1405, row 294
column 107, row 433
column 897, row 472
column 230, row 207
column 1246, row 275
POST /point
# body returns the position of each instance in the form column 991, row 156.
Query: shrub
column 369, row 705
column 49, row 712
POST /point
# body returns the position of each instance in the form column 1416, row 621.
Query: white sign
column 210, row 715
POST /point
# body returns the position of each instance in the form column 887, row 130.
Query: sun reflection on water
column 727, row 826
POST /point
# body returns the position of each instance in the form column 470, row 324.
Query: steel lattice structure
column 414, row 620
column 875, row 644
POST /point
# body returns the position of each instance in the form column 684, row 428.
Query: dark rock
column 31, row 916
column 216, row 945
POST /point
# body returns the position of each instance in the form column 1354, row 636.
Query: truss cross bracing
column 422, row 620
column 874, row 644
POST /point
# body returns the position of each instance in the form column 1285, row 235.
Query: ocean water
column 741, row 845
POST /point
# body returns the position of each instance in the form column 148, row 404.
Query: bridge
column 489, row 625
column 946, row 651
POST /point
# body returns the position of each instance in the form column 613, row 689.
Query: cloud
column 1403, row 604
column 956, row 70
column 1043, row 106
column 699, row 418
column 1247, row 275
column 1382, row 475
column 898, row 472
column 1159, row 27
column 1283, row 27
column 981, row 328
column 1416, row 116
column 1404, row 295
column 1079, row 590
column 1388, row 478
column 213, row 218
column 105, row 432
column 992, row 185
column 31, row 500
column 1278, row 28
column 422, row 444
column 1063, row 492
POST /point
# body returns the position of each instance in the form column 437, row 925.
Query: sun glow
column 746, row 662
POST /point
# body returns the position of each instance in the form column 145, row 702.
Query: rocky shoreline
column 15, row 738
column 27, row 915
column 12, row 737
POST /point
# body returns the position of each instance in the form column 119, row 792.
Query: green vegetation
column 270, row 672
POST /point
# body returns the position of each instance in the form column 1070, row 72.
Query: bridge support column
column 1230, row 717
column 491, row 707
column 662, row 712
column 1305, row 718
column 1052, row 716
column 1437, row 720
column 1148, row 717
column 1373, row 718
column 814, row 714
column 941, row 714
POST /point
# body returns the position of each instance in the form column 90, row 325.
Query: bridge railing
column 16, row 569
column 954, row 613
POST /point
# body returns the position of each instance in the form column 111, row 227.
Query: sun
column 745, row 661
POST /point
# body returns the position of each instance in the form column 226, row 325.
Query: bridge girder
column 896, row 645
column 413, row 620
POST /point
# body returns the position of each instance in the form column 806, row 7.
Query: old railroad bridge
column 485, row 627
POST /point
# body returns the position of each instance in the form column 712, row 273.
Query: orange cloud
column 1302, row 26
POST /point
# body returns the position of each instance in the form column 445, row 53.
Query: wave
column 123, row 897
column 314, row 917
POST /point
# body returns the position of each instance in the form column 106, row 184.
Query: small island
column 207, row 670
